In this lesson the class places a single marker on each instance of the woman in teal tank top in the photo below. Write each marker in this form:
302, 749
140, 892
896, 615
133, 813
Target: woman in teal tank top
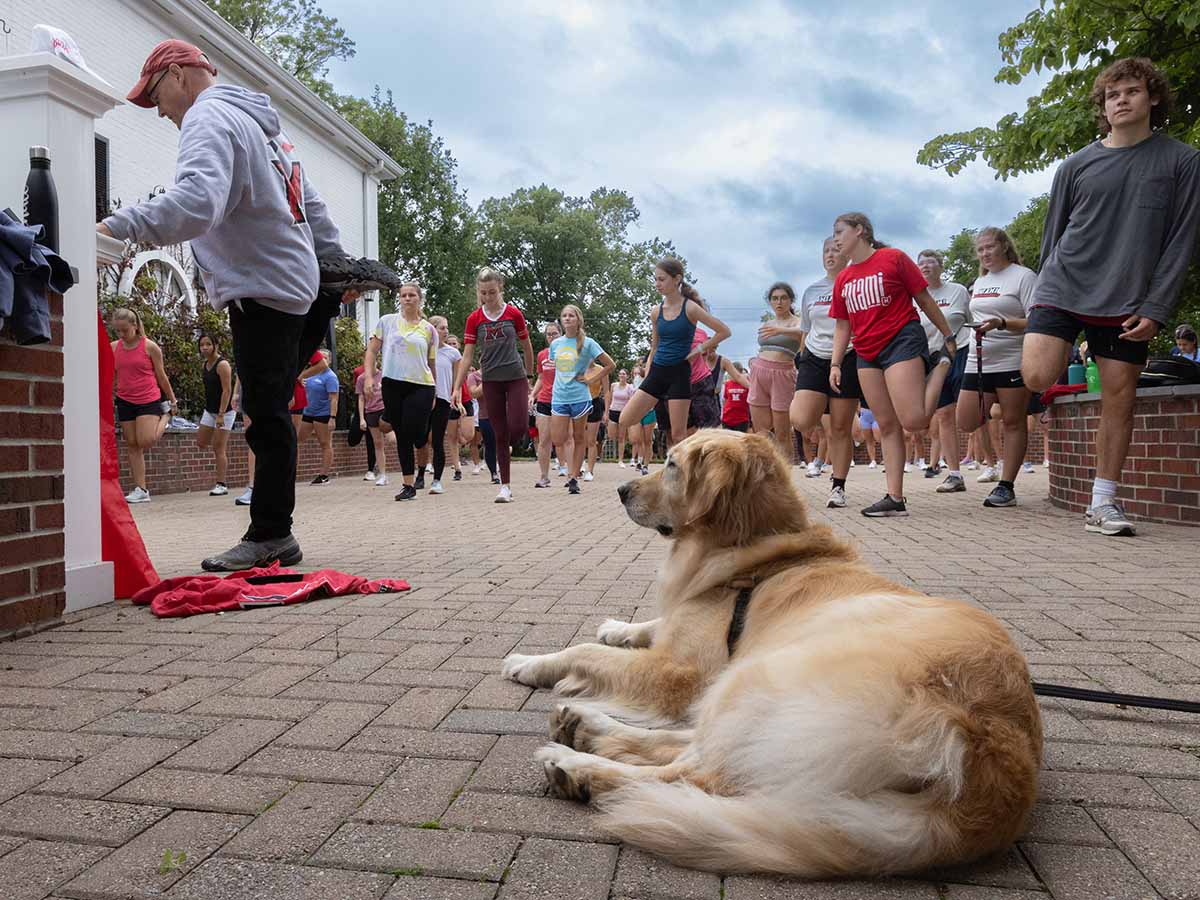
672, 327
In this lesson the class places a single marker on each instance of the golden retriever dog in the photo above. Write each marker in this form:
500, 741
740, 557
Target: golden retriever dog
853, 727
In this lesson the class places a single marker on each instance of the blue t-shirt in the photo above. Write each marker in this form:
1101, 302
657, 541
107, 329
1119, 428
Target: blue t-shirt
318, 388
568, 363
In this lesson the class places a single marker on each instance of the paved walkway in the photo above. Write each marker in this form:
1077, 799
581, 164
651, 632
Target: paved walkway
366, 747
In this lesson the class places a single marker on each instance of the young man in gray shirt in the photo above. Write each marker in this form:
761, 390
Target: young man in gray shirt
1119, 236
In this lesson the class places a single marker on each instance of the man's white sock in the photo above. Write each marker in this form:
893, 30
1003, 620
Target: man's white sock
1103, 491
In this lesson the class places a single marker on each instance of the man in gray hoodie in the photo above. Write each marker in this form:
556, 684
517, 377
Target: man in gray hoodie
256, 227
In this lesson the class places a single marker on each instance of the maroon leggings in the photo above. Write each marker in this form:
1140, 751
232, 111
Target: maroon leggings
507, 404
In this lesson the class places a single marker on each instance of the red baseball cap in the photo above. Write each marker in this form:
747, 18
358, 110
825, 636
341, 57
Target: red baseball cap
166, 54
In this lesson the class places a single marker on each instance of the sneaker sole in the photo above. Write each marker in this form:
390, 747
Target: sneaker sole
891, 514
998, 504
288, 559
961, 489
1125, 531
829, 504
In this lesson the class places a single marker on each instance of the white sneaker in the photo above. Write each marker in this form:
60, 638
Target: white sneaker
972, 465
621, 464
505, 495
853, 463
813, 469
219, 490
920, 464
1028, 468
370, 476
554, 463
908, 467
138, 495
436, 488
562, 471
583, 468
381, 481
477, 469
587, 476
247, 496
872, 464
989, 473
941, 463
1046, 463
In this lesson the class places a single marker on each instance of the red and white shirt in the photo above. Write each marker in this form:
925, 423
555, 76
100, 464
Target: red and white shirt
876, 295
736, 408
499, 342
545, 365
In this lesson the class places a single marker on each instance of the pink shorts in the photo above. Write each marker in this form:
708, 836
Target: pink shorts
772, 384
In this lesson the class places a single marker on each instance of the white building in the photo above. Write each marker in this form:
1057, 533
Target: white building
136, 150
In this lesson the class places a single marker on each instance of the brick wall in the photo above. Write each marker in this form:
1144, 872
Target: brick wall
32, 571
1161, 479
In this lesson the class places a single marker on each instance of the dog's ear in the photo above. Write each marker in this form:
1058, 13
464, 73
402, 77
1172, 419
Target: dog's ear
727, 484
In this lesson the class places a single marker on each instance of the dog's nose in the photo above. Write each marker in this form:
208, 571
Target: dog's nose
623, 492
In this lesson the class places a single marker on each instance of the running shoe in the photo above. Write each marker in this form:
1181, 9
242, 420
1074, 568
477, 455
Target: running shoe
621, 464
341, 273
247, 496
1109, 519
495, 479
419, 483
971, 465
813, 469
381, 481
989, 473
965, 461
931, 471
428, 468
562, 471
583, 468
573, 487
941, 463
436, 487
320, 479
587, 475
219, 490
458, 474
554, 463
408, 492
920, 463
138, 495
885, 507
908, 467
252, 554
477, 469
837, 498
505, 495
852, 462
872, 464
952, 485
1028, 468
1001, 495
370, 476
542, 483
1046, 462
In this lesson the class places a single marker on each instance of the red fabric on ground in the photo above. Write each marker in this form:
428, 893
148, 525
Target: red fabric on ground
1057, 390
190, 595
120, 541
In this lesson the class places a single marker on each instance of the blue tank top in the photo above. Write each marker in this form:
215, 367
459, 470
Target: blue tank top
674, 337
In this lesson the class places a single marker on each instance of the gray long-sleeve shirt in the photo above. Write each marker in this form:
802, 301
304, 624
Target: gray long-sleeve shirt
1121, 229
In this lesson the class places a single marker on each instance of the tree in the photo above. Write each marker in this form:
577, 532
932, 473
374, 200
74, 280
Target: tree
295, 33
1076, 39
555, 249
1026, 231
961, 265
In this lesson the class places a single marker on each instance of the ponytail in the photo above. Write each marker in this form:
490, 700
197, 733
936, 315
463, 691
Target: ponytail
690, 293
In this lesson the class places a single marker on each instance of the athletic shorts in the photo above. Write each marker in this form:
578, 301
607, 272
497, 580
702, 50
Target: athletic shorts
614, 416
772, 384
672, 381
866, 419
572, 410
907, 343
812, 374
1103, 340
324, 420
296, 412
649, 418
597, 413
953, 383
372, 418
737, 426
209, 420
992, 381
542, 408
127, 412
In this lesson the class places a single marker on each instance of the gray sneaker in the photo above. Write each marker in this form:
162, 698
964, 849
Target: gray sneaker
251, 554
952, 485
1109, 519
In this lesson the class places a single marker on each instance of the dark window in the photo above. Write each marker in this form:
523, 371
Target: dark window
103, 205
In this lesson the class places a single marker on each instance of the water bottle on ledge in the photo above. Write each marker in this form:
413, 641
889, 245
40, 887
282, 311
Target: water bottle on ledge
41, 198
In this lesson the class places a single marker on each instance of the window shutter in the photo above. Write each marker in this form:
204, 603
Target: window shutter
103, 204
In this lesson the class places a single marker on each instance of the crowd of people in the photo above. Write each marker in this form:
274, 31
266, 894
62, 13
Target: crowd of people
881, 350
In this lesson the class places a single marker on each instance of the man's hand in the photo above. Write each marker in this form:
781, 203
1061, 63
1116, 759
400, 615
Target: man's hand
101, 228
1139, 328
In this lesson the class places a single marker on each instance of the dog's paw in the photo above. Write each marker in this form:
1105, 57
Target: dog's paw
521, 668
572, 686
615, 633
564, 720
564, 773
577, 726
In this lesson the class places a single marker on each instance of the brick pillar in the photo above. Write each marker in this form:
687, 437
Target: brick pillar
32, 570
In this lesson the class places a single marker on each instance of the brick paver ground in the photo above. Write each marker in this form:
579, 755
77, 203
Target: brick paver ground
366, 747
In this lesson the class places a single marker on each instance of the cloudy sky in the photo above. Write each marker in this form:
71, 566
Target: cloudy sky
740, 128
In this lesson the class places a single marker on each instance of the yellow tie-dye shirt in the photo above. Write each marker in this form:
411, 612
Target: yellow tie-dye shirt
406, 348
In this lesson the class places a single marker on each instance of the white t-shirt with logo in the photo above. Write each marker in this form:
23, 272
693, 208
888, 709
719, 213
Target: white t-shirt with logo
955, 303
814, 318
1005, 294
406, 348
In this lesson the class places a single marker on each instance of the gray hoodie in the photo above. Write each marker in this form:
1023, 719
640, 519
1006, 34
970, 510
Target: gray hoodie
241, 197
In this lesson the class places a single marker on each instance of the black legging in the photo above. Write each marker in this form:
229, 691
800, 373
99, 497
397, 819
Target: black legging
407, 407
438, 422
489, 446
370, 450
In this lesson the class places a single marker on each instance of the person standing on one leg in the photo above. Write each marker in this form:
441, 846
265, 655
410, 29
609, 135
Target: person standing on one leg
217, 420
1120, 234
142, 382
256, 227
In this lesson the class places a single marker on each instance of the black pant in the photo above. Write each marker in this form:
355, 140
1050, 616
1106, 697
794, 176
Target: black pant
407, 407
489, 446
370, 450
438, 422
269, 349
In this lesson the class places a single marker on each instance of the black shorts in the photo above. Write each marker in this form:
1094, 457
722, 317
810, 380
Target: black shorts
812, 374
597, 413
740, 426
324, 420
907, 343
614, 416
662, 416
1036, 407
1102, 340
541, 408
372, 418
128, 412
668, 382
953, 383
992, 381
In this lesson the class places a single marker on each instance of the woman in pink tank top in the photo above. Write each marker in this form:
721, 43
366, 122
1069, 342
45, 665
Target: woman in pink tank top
141, 384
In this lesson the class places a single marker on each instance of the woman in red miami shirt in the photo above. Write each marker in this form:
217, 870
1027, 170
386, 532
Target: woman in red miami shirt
735, 406
873, 302
499, 330
539, 403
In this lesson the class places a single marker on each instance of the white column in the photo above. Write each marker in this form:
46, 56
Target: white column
46, 101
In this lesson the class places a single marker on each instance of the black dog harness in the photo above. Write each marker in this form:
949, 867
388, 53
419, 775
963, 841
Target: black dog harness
737, 624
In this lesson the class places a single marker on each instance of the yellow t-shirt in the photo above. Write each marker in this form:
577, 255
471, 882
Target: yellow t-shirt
406, 348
